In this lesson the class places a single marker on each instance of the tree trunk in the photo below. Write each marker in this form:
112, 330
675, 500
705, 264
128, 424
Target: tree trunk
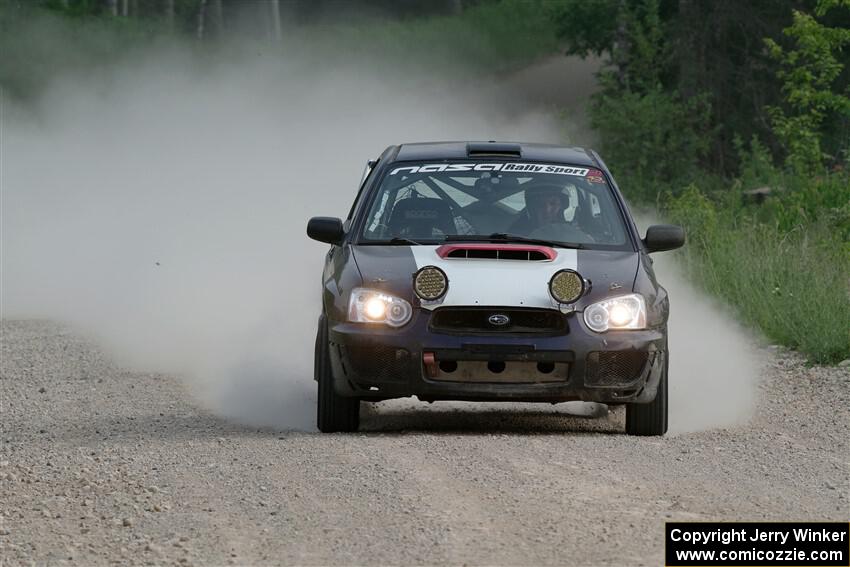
125, 8
112, 7
202, 16
276, 31
622, 45
169, 14
217, 16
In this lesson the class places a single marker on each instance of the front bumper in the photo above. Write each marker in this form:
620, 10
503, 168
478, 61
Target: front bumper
374, 362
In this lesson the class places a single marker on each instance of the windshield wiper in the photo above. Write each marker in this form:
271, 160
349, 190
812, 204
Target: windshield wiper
505, 237
402, 240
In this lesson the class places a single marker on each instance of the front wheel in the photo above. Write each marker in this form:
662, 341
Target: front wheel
333, 412
651, 418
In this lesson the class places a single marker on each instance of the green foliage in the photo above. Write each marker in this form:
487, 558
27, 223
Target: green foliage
807, 73
650, 135
795, 200
486, 37
631, 33
654, 139
587, 26
38, 45
756, 166
823, 200
793, 284
783, 266
640, 52
716, 50
824, 6
671, 106
696, 213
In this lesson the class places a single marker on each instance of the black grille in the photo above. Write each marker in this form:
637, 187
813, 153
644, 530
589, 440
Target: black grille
378, 363
480, 320
616, 369
527, 255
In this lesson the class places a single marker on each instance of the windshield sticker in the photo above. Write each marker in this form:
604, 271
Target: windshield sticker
503, 167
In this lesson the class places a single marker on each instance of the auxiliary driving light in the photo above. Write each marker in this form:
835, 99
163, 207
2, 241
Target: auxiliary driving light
430, 283
566, 286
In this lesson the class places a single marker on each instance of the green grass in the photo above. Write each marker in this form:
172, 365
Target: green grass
793, 285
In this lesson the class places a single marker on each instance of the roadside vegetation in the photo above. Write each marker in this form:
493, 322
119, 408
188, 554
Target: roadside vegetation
733, 119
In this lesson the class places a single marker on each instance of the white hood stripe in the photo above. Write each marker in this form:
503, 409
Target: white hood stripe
495, 283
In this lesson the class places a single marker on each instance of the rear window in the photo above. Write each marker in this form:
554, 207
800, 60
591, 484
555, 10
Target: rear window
429, 201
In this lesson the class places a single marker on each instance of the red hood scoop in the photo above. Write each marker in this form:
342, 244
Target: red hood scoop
523, 252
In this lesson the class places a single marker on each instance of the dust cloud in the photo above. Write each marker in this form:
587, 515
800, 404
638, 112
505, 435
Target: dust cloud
715, 363
161, 207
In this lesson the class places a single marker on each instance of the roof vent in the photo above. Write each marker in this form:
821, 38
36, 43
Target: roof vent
493, 149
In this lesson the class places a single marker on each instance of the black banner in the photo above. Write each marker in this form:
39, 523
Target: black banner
807, 544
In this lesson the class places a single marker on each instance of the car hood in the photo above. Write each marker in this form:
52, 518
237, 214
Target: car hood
487, 282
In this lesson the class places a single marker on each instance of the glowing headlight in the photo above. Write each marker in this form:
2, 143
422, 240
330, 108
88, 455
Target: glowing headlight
430, 283
566, 286
375, 308
624, 312
371, 306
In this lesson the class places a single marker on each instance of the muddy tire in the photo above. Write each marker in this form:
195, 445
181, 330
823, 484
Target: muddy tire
651, 418
333, 412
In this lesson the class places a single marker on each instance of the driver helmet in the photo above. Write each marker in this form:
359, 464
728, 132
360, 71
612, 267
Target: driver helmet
545, 204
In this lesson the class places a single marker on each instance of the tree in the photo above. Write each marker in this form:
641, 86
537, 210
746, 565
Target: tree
275, 18
646, 127
202, 19
808, 73
169, 13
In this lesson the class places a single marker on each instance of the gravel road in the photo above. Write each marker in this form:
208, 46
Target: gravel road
100, 465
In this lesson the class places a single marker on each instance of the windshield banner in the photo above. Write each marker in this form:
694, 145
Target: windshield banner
503, 167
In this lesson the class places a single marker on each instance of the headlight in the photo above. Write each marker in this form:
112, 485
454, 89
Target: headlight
430, 283
566, 286
371, 306
624, 312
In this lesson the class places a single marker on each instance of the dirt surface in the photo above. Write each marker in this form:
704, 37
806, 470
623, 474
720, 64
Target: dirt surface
101, 465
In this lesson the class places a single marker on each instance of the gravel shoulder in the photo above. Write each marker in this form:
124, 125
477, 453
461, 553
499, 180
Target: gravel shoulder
99, 465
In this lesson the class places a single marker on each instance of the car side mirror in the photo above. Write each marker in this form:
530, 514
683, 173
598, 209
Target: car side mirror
325, 229
661, 237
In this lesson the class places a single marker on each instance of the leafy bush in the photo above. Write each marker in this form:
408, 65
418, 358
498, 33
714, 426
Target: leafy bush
808, 73
791, 283
653, 139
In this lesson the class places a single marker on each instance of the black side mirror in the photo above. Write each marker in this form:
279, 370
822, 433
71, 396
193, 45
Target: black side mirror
325, 229
661, 237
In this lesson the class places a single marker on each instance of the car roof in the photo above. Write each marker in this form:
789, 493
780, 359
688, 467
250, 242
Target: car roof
492, 149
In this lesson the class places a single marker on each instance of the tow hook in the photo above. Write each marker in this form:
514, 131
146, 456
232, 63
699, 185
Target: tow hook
430, 362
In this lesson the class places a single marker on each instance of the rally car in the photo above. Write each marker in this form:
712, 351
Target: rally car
493, 272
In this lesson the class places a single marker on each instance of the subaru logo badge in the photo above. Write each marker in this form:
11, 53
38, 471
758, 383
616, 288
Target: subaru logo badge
499, 320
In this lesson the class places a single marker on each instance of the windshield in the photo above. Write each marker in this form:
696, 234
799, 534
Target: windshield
432, 202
